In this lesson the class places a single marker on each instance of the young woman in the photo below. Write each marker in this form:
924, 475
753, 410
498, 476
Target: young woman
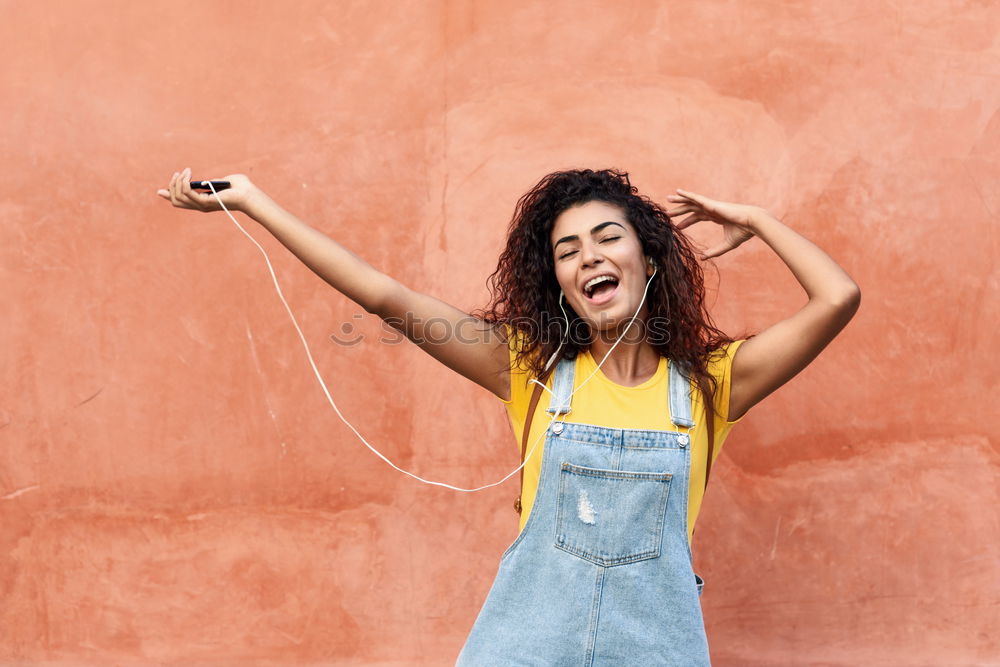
598, 341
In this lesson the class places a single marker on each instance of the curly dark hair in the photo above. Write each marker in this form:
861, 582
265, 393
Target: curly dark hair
525, 293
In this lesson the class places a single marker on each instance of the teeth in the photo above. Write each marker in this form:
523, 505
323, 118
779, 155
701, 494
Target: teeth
596, 281
593, 282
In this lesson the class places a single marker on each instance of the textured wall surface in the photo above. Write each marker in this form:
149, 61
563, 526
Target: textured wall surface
174, 488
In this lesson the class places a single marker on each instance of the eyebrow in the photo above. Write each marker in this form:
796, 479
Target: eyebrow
593, 231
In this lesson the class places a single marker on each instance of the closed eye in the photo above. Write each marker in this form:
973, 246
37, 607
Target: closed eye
570, 253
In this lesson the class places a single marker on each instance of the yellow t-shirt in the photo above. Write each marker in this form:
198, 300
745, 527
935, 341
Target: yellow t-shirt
601, 402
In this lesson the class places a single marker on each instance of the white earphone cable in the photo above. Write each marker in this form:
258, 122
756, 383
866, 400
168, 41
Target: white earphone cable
333, 404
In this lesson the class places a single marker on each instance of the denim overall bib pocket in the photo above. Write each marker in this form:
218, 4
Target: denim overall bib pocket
601, 573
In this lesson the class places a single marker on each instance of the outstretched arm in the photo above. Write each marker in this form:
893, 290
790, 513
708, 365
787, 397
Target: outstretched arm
463, 343
775, 355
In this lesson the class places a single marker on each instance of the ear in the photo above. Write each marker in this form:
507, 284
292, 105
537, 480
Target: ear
650, 267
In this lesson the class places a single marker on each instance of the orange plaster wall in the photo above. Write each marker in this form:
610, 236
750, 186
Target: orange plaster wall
174, 488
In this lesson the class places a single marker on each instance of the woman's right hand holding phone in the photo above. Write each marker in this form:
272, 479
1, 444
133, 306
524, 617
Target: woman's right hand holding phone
236, 197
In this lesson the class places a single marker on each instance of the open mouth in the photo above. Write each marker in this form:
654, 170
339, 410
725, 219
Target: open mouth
600, 289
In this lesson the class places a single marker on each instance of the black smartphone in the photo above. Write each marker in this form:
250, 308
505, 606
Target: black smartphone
203, 185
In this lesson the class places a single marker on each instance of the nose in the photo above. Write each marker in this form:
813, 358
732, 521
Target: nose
590, 254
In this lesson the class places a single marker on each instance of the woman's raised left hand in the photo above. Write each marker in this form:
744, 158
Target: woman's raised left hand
736, 219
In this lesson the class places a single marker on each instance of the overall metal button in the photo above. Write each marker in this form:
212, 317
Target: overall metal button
683, 441
557, 428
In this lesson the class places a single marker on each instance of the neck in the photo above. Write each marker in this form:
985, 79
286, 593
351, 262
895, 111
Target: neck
633, 360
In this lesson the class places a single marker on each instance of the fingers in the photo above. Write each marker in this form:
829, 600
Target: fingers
699, 199
698, 206
694, 214
681, 210
181, 195
688, 221
715, 251
172, 192
689, 198
175, 191
188, 195
686, 203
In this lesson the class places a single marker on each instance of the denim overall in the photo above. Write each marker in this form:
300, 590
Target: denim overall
601, 573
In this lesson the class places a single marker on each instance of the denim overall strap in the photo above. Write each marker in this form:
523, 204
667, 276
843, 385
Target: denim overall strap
679, 388
562, 387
